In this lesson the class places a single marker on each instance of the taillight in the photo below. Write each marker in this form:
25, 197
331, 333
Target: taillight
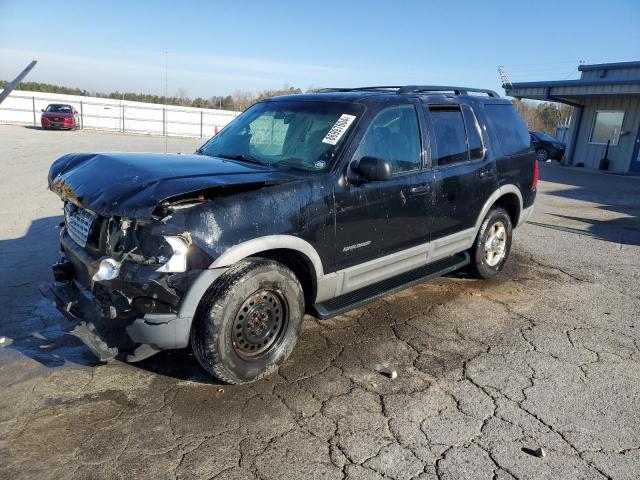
534, 184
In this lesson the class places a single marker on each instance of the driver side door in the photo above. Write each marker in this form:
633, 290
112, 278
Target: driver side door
379, 218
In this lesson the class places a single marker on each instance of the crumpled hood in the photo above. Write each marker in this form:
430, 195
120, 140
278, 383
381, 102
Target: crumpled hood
132, 185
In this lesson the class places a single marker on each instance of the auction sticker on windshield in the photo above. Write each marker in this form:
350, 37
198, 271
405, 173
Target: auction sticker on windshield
342, 125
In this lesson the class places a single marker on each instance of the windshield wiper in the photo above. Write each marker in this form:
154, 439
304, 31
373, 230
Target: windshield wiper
240, 156
292, 165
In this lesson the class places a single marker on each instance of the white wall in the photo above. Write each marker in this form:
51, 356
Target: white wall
23, 108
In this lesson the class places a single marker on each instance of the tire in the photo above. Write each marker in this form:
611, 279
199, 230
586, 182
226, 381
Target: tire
542, 155
248, 322
484, 263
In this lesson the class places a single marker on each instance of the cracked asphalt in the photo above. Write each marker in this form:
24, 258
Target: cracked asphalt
545, 355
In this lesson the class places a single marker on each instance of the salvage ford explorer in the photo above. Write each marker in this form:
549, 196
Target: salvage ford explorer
314, 203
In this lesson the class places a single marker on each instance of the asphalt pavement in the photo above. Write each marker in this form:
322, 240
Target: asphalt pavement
545, 356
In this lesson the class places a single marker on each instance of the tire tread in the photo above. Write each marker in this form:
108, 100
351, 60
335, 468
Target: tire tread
210, 310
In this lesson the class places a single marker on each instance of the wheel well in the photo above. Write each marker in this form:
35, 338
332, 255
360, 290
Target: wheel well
300, 265
510, 202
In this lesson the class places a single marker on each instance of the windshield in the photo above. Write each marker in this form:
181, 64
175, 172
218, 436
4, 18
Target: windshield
545, 137
59, 109
287, 134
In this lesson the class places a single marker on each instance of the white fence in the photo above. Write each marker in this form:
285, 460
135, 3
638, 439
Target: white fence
24, 108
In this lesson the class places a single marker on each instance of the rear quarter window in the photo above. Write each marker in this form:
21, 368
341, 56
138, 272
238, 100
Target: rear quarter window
509, 128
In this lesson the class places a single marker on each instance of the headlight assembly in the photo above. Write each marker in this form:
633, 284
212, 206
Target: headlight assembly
178, 261
108, 269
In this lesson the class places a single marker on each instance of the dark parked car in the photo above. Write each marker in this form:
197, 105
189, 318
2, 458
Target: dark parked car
61, 116
547, 148
314, 203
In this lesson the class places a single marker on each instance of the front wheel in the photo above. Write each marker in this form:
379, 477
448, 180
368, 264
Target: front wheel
493, 244
249, 321
542, 155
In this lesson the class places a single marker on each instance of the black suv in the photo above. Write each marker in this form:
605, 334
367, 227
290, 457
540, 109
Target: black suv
312, 203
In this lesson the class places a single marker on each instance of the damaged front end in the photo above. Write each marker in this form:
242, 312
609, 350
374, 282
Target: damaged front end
138, 242
124, 284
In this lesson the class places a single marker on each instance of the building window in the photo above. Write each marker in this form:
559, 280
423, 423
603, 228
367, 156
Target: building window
607, 126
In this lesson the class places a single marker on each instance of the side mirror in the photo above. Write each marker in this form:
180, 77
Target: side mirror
42, 109
373, 169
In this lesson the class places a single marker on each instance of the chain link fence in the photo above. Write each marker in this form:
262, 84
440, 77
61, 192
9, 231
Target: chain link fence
24, 108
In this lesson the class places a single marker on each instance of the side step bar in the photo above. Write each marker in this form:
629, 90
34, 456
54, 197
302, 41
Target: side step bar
357, 298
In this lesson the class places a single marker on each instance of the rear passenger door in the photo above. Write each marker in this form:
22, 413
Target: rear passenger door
465, 176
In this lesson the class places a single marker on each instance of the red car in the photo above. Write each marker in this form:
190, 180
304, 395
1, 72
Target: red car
59, 115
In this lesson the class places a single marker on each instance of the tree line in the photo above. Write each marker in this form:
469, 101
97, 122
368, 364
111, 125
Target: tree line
237, 101
538, 116
543, 117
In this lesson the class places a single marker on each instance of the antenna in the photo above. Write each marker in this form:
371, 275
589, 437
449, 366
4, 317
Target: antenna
504, 78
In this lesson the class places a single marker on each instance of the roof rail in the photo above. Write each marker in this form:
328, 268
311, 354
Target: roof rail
446, 88
359, 89
413, 89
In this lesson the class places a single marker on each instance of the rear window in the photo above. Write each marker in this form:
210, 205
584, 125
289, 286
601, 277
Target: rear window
450, 133
476, 148
509, 128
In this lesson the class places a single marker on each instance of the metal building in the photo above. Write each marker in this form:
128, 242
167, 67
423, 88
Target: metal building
607, 108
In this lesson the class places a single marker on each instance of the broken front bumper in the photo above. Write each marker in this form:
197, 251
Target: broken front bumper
137, 311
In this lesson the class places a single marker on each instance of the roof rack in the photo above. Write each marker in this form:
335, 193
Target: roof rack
359, 89
416, 89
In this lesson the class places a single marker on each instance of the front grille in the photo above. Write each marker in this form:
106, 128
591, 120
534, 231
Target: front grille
78, 222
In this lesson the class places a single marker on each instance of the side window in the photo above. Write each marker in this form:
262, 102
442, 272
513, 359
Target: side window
476, 147
451, 137
395, 136
509, 128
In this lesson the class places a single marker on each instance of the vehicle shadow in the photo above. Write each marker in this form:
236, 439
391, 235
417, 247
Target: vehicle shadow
29, 322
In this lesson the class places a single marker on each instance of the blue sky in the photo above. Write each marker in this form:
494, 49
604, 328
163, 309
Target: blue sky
217, 47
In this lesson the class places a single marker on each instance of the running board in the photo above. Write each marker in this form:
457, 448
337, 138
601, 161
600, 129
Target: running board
357, 298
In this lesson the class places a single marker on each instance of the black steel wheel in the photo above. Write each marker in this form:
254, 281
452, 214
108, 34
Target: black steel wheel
259, 324
249, 320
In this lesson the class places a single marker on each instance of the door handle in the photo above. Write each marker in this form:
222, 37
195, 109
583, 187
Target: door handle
420, 188
485, 172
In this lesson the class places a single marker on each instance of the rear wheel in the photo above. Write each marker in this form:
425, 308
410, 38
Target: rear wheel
493, 244
249, 321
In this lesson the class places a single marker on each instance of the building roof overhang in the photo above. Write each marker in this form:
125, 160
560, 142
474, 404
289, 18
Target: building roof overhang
572, 92
608, 66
